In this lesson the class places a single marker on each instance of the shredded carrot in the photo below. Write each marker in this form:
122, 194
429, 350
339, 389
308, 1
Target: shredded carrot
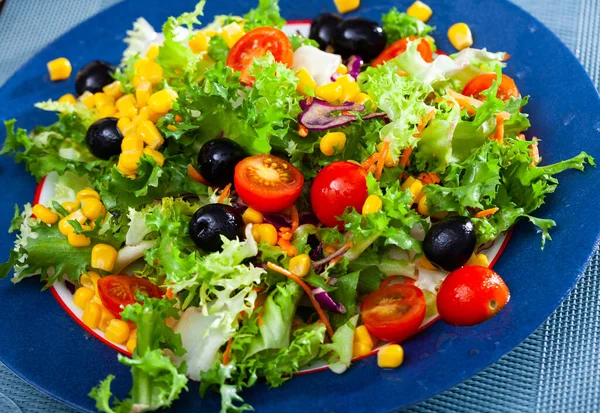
535, 151
296, 324
371, 160
178, 118
302, 131
285, 235
486, 212
309, 100
429, 178
500, 118
224, 193
426, 120
169, 293
464, 101
195, 175
295, 217
381, 161
405, 158
227, 353
306, 289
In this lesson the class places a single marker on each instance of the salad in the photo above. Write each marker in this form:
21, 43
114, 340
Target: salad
233, 202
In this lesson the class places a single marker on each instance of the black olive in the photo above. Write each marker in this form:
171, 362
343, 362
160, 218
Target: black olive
104, 138
93, 77
213, 220
323, 27
217, 160
450, 243
360, 37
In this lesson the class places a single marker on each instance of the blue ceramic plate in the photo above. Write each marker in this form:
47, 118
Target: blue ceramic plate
42, 344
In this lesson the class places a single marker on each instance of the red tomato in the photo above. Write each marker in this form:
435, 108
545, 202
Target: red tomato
256, 43
506, 90
399, 47
118, 291
338, 186
395, 312
471, 295
267, 183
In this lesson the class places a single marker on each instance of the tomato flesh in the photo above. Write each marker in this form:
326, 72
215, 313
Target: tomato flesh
399, 47
394, 312
336, 187
507, 89
471, 295
118, 291
256, 43
267, 183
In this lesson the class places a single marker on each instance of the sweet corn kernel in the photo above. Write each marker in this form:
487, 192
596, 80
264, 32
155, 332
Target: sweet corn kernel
136, 80
65, 227
306, 80
152, 52
132, 143
87, 98
329, 92
407, 183
419, 10
113, 89
131, 344
158, 157
416, 190
300, 265
389, 160
265, 233
126, 106
332, 143
130, 160
390, 356
105, 318
44, 214
92, 208
140, 65
151, 72
426, 264
478, 259
252, 216
162, 101
101, 100
360, 349
350, 88
361, 335
346, 6
150, 134
91, 314
142, 93
342, 69
68, 98
70, 207
422, 206
83, 296
129, 172
133, 332
87, 193
125, 126
78, 240
152, 116
460, 36
90, 280
59, 69
107, 112
372, 204
143, 115
232, 33
117, 331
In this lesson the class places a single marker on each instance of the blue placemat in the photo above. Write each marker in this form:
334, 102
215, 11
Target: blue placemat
555, 370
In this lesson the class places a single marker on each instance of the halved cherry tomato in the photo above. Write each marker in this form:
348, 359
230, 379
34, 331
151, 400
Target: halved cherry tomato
336, 187
267, 183
399, 47
118, 291
395, 312
256, 43
507, 89
471, 295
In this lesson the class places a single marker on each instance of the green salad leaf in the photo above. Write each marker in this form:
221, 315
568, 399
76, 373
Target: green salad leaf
398, 25
266, 14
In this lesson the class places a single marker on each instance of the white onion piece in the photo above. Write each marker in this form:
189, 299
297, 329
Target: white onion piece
319, 64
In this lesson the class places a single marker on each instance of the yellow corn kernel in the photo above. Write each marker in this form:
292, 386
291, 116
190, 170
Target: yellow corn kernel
460, 36
126, 106
59, 69
152, 52
162, 101
68, 98
342, 69
141, 117
329, 92
360, 349
140, 65
407, 183
346, 6
91, 314
131, 344
300, 265
332, 143
129, 172
252, 216
87, 193
83, 296
44, 214
65, 227
416, 190
372, 204
113, 89
306, 80
117, 331
142, 93
150, 114
150, 71
78, 240
158, 157
350, 88
419, 10
426, 264
101, 100
133, 332
70, 207
105, 318
90, 280
232, 33
107, 112
87, 98
92, 208
390, 356
478, 259
136, 80
132, 143
362, 335
389, 160
125, 126
130, 160
150, 134
422, 206
265, 233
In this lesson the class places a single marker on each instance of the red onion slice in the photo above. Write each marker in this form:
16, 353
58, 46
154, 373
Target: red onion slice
316, 115
354, 64
326, 302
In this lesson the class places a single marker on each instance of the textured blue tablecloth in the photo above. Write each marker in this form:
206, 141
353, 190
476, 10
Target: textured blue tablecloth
557, 369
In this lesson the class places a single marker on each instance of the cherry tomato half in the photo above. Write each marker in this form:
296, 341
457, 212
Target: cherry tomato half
336, 187
118, 291
256, 43
399, 47
395, 312
471, 295
267, 183
507, 89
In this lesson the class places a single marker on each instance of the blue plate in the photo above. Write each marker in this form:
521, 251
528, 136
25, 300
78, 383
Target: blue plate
43, 345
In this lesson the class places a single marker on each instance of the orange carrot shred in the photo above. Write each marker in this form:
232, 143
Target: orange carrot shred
169, 293
405, 158
224, 193
195, 175
178, 118
381, 161
306, 289
295, 217
500, 118
486, 212
371, 160
429, 178
227, 353
302, 131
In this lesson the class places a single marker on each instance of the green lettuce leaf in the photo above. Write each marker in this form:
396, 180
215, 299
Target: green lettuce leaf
265, 14
398, 25
218, 49
340, 349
